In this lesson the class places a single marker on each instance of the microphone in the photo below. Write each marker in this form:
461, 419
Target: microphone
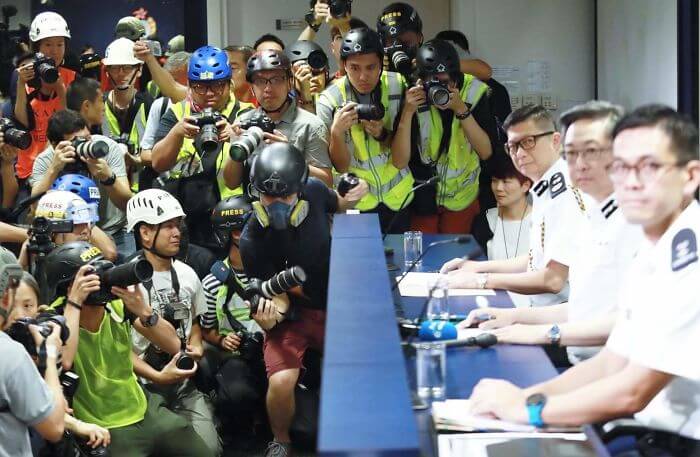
463, 239
429, 182
437, 331
483, 340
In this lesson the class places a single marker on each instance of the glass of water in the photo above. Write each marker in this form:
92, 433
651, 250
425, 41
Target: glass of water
412, 248
430, 370
438, 304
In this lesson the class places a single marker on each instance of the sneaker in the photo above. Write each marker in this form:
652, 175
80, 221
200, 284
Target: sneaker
277, 449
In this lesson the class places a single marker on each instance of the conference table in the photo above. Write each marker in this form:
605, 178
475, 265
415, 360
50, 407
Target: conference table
365, 395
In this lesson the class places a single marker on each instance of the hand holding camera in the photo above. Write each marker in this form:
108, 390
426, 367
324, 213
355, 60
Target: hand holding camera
13, 136
266, 313
172, 373
86, 282
254, 131
344, 118
415, 97
212, 129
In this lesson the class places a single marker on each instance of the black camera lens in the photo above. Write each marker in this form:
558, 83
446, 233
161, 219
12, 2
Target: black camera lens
339, 8
128, 274
208, 139
369, 112
317, 60
88, 149
14, 136
438, 94
47, 72
244, 146
401, 62
185, 362
347, 181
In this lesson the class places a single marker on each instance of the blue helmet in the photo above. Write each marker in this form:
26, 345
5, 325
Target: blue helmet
208, 64
82, 186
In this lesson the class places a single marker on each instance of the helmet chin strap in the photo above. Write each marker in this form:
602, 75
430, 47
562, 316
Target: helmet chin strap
281, 107
153, 249
123, 86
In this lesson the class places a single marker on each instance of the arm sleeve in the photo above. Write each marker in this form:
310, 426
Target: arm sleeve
563, 220
40, 167
115, 159
317, 146
210, 286
324, 111
152, 124
487, 121
255, 255
200, 304
28, 396
167, 122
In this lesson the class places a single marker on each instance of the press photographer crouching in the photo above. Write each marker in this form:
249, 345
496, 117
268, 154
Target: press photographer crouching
234, 341
173, 293
101, 307
291, 227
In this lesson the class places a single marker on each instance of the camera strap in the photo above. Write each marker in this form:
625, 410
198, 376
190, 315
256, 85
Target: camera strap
232, 286
41, 357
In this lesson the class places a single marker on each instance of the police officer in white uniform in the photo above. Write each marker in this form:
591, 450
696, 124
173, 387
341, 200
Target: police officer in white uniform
607, 245
558, 212
642, 369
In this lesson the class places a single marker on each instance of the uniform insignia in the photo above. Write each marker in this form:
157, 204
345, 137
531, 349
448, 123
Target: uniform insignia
540, 188
609, 208
557, 184
684, 249
579, 199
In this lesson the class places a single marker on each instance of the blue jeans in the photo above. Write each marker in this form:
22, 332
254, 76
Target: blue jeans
126, 245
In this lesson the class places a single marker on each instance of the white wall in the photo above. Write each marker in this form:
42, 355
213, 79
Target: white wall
637, 57
513, 32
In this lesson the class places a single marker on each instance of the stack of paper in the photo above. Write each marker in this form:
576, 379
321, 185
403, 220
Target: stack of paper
454, 415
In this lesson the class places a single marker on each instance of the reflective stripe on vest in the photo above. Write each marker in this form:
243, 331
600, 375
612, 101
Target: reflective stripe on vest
182, 109
459, 169
369, 159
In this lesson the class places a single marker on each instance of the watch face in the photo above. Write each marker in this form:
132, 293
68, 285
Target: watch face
536, 399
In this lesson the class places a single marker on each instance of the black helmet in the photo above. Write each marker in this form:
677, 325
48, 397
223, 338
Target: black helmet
267, 59
230, 214
437, 56
309, 51
398, 18
63, 263
361, 41
279, 170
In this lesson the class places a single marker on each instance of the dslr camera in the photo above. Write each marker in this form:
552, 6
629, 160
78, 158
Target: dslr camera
251, 346
13, 135
437, 93
347, 181
251, 138
125, 275
86, 149
276, 285
399, 58
44, 70
207, 140
339, 8
370, 111
19, 330
40, 234
317, 60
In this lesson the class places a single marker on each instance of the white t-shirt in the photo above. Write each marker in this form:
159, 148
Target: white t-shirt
558, 213
510, 239
608, 245
191, 301
658, 325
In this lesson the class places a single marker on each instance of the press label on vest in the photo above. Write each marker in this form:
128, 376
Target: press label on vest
352, 211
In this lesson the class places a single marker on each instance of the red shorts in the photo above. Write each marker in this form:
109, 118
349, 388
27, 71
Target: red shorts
286, 343
446, 221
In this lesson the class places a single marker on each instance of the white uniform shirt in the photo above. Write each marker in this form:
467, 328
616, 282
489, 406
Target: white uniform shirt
608, 245
558, 213
659, 323
191, 301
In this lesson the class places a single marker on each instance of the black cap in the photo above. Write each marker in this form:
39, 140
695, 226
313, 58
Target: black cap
397, 18
267, 59
437, 56
361, 41
279, 170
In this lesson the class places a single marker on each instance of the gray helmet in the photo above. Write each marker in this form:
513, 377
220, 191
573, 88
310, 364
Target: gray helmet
437, 56
267, 59
279, 170
361, 41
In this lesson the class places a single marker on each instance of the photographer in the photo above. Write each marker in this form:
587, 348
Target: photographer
291, 227
192, 174
45, 84
98, 349
270, 74
26, 400
233, 340
361, 110
8, 179
310, 68
452, 139
67, 133
238, 58
175, 294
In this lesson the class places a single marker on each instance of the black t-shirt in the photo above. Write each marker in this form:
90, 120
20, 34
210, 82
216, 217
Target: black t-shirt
266, 251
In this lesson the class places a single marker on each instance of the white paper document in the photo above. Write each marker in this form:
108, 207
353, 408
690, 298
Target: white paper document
417, 284
454, 414
475, 444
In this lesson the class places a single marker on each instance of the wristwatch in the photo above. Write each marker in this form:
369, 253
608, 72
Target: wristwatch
481, 279
554, 335
464, 115
149, 321
535, 404
109, 181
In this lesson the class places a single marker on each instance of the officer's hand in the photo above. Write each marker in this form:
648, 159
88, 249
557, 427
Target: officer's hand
171, 374
142, 51
187, 128
415, 97
133, 300
63, 154
344, 118
267, 315
489, 318
99, 168
275, 137
25, 73
96, 435
231, 342
85, 282
355, 194
225, 130
374, 128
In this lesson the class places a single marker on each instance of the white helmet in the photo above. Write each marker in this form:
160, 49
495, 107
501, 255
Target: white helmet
61, 205
152, 206
46, 25
120, 52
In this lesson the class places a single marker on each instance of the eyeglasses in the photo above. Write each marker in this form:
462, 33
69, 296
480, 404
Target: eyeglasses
646, 170
274, 81
526, 143
201, 89
588, 155
121, 68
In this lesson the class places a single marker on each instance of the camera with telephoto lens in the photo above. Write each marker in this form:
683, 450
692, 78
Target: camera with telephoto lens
19, 330
251, 345
251, 138
436, 92
44, 70
317, 60
13, 136
339, 8
207, 140
128, 274
276, 285
399, 58
346, 182
369, 111
90, 149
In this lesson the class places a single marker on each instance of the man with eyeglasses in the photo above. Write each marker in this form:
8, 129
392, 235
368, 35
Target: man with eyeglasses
270, 74
655, 172
192, 175
607, 245
558, 212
